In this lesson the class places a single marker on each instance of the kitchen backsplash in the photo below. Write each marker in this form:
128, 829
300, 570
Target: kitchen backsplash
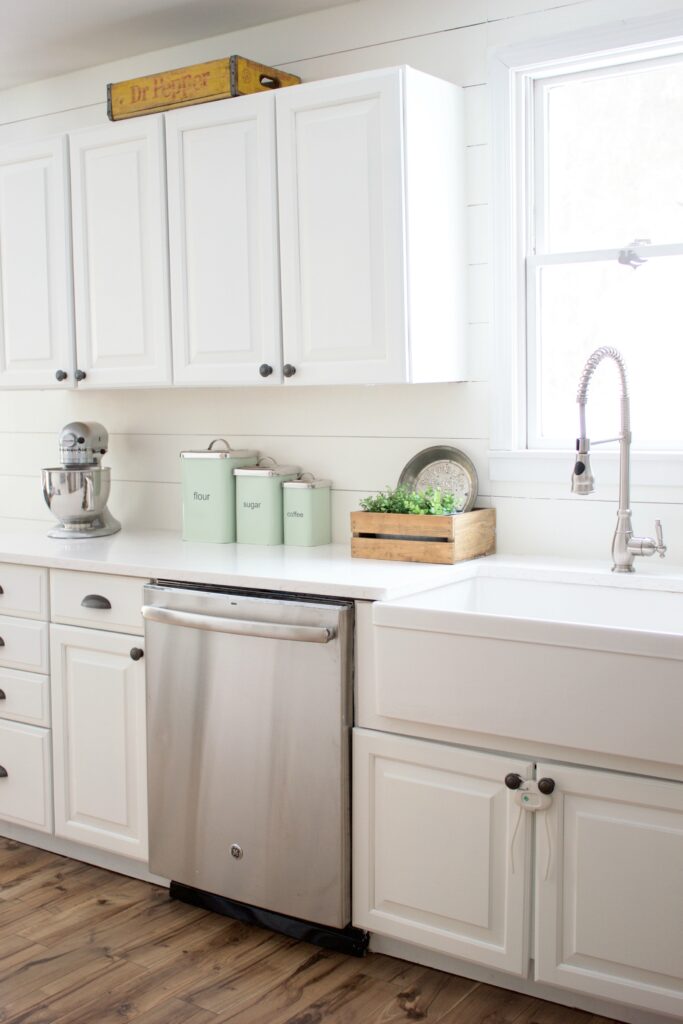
358, 437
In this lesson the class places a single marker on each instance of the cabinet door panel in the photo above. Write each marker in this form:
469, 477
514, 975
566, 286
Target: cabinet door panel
222, 195
340, 172
98, 720
441, 852
25, 791
36, 303
610, 888
120, 254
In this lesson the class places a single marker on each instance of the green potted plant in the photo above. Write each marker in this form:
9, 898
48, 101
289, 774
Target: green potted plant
420, 526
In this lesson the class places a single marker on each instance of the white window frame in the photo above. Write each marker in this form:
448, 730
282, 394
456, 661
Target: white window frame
513, 72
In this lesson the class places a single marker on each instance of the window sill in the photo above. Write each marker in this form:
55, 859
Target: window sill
648, 469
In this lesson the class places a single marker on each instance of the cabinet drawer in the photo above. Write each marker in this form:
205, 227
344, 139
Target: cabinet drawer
24, 644
25, 791
69, 591
24, 697
23, 591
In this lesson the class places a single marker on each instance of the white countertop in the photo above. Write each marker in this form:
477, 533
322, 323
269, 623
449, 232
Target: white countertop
161, 554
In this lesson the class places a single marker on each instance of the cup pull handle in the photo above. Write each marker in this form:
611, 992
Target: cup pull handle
3, 695
3, 773
95, 601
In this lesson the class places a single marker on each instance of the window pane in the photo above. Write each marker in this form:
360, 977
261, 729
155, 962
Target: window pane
614, 160
583, 306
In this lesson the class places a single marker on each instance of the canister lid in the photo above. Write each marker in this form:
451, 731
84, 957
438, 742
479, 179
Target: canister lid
268, 467
219, 453
307, 481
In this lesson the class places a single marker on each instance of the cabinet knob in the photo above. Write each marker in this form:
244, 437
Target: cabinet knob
546, 786
3, 695
2, 642
513, 780
95, 601
1, 591
3, 773
289, 370
265, 370
61, 374
80, 375
136, 653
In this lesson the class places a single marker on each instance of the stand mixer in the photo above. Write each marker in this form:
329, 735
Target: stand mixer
77, 491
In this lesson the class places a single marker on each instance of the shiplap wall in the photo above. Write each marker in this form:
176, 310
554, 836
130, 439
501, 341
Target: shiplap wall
360, 437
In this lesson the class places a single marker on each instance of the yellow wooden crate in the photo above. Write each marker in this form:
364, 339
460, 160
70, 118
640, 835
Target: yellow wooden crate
199, 83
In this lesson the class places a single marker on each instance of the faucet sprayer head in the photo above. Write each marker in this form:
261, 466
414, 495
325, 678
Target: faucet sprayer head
583, 481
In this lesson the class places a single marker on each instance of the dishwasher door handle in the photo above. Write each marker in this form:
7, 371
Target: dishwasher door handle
238, 627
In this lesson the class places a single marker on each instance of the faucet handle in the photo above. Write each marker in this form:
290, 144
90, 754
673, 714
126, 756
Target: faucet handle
661, 546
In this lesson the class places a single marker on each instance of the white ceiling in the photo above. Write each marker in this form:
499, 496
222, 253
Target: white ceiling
42, 38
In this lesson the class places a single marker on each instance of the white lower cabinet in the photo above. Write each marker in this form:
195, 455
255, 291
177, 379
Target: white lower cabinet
98, 721
25, 776
609, 891
441, 851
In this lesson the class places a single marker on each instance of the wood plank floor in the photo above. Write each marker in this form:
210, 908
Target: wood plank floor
79, 945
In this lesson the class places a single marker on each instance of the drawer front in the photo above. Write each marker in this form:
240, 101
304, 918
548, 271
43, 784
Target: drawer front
24, 697
23, 591
95, 599
26, 781
24, 644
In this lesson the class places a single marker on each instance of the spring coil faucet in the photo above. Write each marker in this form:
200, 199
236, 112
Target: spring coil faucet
625, 546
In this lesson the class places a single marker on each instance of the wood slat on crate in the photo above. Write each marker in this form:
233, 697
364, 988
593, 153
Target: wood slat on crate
410, 538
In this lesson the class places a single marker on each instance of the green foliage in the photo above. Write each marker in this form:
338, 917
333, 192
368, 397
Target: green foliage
431, 502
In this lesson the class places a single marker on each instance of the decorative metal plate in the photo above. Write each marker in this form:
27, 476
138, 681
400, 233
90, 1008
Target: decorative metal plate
445, 468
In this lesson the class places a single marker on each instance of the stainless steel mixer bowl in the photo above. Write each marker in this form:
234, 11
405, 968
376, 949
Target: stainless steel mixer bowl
77, 497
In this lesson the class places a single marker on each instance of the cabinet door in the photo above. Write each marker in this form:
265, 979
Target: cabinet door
441, 852
36, 301
222, 200
609, 891
340, 173
121, 254
25, 789
98, 722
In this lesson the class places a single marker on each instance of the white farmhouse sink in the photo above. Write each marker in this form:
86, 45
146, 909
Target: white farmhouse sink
580, 659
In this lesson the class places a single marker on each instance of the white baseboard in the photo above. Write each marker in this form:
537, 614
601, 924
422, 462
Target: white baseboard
77, 851
488, 976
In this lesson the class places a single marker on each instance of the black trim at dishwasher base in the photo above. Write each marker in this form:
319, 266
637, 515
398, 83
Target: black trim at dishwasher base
350, 940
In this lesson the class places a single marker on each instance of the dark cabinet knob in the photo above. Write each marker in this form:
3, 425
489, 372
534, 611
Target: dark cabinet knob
95, 601
61, 374
80, 375
2, 642
136, 653
3, 695
3, 773
265, 370
289, 370
1, 591
513, 780
546, 786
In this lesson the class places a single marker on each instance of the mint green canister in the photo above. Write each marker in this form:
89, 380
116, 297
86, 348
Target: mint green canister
260, 501
307, 519
209, 491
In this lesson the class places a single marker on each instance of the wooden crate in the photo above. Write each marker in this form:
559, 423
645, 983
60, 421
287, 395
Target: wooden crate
199, 83
406, 538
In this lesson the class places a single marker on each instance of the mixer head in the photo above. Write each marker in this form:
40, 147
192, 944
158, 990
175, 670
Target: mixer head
82, 444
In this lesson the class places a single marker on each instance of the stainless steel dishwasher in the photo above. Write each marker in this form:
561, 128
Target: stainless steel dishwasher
249, 716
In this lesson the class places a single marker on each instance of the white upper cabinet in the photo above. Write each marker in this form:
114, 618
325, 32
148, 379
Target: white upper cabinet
121, 254
36, 304
371, 195
222, 200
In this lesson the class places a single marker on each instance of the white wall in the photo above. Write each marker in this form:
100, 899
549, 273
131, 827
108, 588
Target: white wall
360, 437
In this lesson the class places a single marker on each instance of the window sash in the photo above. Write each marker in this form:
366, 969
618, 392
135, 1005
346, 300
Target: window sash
534, 248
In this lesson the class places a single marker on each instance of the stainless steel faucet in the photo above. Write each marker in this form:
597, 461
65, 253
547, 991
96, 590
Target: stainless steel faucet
625, 546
